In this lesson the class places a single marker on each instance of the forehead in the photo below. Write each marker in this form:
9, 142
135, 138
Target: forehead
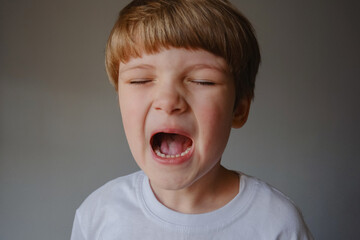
176, 58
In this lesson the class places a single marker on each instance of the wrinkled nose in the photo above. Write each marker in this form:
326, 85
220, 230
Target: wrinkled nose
170, 99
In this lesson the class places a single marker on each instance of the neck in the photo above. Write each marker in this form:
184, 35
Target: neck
210, 192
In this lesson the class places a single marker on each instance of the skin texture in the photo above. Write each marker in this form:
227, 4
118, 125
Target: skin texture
189, 92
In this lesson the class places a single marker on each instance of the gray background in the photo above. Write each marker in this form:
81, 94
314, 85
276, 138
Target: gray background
61, 135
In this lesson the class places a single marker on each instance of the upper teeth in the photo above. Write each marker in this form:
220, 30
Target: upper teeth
160, 154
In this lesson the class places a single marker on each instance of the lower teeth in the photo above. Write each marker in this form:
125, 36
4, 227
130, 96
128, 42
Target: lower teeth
160, 154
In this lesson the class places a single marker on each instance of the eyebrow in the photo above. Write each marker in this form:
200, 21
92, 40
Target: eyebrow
207, 66
188, 69
141, 66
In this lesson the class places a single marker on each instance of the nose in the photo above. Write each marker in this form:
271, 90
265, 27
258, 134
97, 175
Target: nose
170, 99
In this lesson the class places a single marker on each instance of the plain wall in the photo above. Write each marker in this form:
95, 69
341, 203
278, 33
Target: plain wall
61, 134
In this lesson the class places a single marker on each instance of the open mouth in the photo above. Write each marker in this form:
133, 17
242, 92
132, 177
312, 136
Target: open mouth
170, 145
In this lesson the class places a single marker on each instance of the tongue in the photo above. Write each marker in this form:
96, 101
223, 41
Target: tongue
172, 144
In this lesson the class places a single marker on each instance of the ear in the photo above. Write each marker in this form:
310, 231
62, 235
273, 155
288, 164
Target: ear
241, 113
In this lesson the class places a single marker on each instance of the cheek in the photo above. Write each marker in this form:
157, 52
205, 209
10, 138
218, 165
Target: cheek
215, 126
131, 119
127, 114
216, 114
130, 107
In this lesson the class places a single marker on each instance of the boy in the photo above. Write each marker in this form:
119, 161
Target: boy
184, 71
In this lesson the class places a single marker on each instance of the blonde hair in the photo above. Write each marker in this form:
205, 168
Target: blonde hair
147, 26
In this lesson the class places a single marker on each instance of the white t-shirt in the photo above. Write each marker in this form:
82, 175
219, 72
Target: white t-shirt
126, 208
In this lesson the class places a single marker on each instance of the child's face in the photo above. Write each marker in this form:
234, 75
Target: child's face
177, 110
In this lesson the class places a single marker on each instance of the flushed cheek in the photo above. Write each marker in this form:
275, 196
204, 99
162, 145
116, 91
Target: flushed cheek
214, 130
215, 140
132, 119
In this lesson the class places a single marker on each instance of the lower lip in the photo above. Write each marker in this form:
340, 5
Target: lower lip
172, 161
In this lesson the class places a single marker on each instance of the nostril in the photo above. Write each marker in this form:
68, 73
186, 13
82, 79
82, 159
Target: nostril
176, 110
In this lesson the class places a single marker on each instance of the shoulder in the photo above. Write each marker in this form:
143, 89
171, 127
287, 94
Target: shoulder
274, 212
269, 197
115, 193
113, 202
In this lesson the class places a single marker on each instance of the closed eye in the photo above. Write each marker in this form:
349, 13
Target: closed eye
203, 82
139, 81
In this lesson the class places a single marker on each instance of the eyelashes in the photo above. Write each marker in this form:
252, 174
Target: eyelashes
197, 82
140, 81
203, 82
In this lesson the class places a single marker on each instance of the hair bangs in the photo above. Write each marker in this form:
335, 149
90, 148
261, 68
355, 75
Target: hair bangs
148, 26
